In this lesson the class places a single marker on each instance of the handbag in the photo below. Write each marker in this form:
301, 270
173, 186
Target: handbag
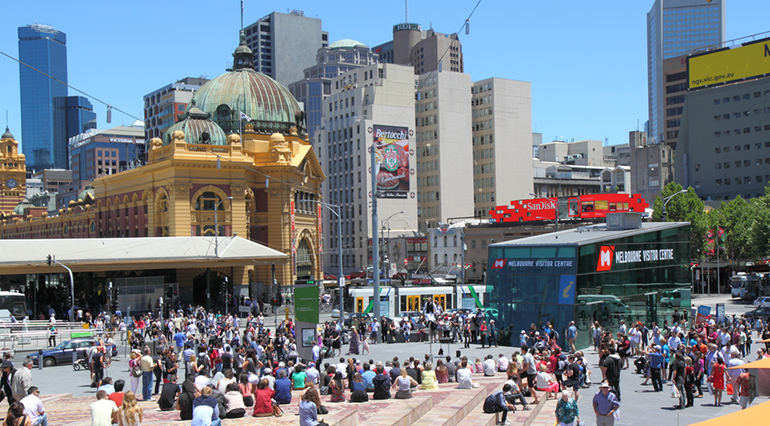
324, 390
674, 391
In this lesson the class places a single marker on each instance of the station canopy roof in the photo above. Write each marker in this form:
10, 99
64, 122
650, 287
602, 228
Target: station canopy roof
588, 235
103, 254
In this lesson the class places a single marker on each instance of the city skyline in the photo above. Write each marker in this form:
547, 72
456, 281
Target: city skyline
575, 83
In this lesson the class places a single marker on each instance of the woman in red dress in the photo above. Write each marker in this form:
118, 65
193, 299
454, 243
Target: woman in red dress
717, 380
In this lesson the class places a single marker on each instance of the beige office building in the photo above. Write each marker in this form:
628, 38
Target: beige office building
379, 94
502, 143
444, 173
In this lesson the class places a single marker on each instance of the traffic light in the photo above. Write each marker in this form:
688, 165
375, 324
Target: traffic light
49, 260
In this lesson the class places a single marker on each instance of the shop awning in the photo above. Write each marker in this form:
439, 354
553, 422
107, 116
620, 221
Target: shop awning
756, 415
762, 363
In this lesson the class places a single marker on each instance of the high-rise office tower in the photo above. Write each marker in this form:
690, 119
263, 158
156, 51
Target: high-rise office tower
284, 44
332, 61
43, 127
362, 100
502, 143
675, 27
443, 131
163, 107
426, 51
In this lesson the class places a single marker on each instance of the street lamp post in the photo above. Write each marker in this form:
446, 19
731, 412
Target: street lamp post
216, 226
386, 249
216, 250
666, 200
340, 277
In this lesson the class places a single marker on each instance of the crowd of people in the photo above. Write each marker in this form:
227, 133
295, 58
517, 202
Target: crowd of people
211, 366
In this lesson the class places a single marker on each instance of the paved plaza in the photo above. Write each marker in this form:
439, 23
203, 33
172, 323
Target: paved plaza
67, 395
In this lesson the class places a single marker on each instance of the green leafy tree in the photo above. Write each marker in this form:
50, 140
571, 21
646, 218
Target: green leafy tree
737, 220
759, 237
685, 207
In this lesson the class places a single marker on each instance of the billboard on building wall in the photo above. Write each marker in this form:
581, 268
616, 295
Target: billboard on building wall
727, 65
392, 161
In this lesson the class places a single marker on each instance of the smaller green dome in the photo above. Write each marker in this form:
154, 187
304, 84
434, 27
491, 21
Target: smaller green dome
198, 129
346, 43
88, 190
19, 210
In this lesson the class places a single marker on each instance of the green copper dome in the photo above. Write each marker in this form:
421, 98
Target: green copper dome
86, 192
345, 43
243, 92
198, 129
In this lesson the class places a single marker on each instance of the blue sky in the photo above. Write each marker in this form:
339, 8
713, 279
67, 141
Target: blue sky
585, 60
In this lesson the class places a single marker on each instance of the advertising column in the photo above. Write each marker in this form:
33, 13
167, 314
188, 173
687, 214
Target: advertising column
306, 316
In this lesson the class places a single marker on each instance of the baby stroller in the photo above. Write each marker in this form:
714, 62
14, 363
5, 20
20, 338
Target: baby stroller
80, 364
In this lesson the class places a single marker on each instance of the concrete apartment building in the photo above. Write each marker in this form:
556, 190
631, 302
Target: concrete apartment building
674, 28
379, 94
163, 107
426, 51
284, 44
724, 149
502, 143
443, 123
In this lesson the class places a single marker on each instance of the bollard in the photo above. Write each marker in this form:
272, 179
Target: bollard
74, 356
457, 354
39, 359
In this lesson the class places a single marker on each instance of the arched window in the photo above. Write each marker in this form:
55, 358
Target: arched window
445, 241
304, 259
446, 259
455, 240
209, 201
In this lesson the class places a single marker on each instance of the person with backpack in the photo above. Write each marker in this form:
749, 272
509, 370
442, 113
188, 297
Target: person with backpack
496, 403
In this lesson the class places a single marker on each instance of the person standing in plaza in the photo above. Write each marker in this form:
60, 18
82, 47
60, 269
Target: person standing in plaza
734, 373
147, 364
605, 405
567, 410
678, 372
613, 365
571, 336
656, 362
22, 380
742, 390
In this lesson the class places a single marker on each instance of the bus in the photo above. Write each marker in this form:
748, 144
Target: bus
746, 286
14, 303
394, 300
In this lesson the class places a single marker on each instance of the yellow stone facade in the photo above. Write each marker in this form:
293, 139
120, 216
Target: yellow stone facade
168, 197
13, 175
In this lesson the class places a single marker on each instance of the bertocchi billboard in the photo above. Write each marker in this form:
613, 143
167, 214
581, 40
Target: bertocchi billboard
728, 65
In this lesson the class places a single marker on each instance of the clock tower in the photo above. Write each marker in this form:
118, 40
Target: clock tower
13, 174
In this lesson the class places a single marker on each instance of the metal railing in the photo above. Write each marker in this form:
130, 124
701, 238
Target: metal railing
34, 335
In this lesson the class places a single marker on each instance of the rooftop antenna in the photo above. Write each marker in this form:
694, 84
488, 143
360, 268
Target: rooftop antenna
406, 11
241, 15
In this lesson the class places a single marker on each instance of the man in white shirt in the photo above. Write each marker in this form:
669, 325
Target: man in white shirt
502, 363
464, 375
674, 342
490, 367
342, 368
33, 407
104, 412
735, 361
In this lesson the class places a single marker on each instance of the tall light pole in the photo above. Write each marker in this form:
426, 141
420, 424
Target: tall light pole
216, 254
216, 226
335, 208
386, 249
375, 235
666, 200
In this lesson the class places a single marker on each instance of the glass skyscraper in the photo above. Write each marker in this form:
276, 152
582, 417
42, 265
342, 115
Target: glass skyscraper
674, 28
43, 117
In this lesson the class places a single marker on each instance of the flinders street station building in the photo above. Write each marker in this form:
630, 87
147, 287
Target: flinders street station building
224, 208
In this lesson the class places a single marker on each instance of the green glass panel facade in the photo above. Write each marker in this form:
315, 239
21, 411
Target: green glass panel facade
560, 283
